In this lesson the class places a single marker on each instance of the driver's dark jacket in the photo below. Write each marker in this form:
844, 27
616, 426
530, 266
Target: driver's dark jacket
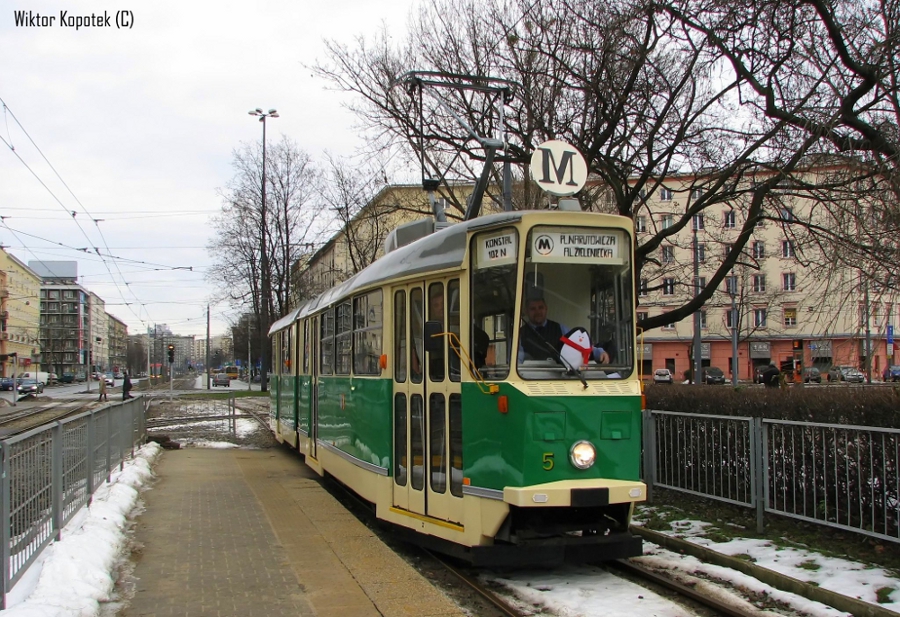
550, 333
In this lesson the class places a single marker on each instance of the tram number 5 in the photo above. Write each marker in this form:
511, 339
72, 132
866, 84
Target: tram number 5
548, 461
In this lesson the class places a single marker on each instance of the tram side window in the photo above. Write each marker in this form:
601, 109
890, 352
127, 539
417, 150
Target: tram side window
327, 343
401, 465
400, 336
456, 446
416, 331
342, 338
453, 315
306, 347
437, 446
436, 313
367, 320
494, 257
286, 351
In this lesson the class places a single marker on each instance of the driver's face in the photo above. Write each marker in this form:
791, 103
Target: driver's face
537, 312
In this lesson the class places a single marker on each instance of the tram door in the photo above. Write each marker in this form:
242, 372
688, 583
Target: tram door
427, 438
313, 333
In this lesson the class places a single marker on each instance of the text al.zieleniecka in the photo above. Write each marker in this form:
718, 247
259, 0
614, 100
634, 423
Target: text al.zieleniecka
31, 19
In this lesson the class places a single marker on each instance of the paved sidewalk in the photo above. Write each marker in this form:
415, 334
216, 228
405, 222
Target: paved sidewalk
251, 532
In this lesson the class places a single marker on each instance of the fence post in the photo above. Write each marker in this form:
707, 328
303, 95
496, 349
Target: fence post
91, 437
5, 522
108, 443
649, 458
56, 482
758, 477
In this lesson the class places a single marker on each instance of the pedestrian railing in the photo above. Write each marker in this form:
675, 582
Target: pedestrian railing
50, 472
842, 476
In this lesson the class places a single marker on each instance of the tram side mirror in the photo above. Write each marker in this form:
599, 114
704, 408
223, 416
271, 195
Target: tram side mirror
433, 343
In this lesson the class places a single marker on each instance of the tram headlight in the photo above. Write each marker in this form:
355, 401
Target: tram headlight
583, 454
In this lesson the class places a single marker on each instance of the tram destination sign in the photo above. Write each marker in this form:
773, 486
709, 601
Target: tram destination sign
576, 246
497, 249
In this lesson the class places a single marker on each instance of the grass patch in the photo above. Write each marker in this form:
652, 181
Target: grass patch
883, 595
810, 564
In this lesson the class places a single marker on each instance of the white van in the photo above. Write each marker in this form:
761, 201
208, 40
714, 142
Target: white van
40, 376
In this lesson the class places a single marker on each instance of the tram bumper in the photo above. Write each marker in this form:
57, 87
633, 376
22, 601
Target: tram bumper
575, 493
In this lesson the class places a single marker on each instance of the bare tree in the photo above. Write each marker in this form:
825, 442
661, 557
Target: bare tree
739, 102
291, 182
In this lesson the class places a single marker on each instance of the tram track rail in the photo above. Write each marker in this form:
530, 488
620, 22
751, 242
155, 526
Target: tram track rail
489, 596
18, 422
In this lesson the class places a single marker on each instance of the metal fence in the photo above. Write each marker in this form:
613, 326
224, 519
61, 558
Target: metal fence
842, 476
50, 472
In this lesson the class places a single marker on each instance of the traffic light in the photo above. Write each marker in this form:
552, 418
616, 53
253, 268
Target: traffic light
798, 344
171, 354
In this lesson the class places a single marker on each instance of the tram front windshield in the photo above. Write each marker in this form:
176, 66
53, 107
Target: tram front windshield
575, 317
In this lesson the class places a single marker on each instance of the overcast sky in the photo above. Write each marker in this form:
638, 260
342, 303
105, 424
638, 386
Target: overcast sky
140, 123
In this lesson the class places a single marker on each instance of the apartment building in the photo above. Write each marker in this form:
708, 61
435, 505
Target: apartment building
782, 300
19, 316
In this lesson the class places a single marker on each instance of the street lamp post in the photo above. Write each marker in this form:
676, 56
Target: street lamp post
263, 260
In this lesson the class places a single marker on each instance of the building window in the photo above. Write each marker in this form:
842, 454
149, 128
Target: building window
731, 318
759, 317
697, 222
730, 218
665, 194
668, 254
701, 252
696, 194
669, 326
727, 251
640, 223
701, 282
54, 294
667, 221
759, 249
787, 214
68, 294
642, 315
43, 294
668, 287
759, 283
731, 285
790, 317
703, 319
642, 287
787, 248
789, 281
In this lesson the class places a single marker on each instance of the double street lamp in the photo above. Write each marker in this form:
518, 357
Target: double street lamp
265, 285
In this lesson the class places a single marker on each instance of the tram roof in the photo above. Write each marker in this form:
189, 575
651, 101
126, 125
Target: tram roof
438, 251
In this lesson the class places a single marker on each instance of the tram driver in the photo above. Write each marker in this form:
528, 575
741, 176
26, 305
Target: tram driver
541, 337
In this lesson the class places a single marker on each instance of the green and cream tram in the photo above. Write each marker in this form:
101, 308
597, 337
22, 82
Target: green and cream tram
410, 383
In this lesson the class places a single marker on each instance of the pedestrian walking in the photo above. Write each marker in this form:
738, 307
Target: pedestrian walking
102, 396
771, 376
126, 388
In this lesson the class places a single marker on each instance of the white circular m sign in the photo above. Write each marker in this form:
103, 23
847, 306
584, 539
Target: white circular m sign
558, 168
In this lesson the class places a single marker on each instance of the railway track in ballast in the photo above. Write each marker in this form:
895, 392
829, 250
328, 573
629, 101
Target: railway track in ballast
639, 575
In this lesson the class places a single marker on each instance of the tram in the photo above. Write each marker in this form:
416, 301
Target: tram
411, 384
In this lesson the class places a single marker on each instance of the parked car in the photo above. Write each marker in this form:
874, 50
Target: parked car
30, 386
850, 374
812, 374
891, 373
221, 379
6, 383
110, 380
52, 379
713, 375
662, 375
67, 378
